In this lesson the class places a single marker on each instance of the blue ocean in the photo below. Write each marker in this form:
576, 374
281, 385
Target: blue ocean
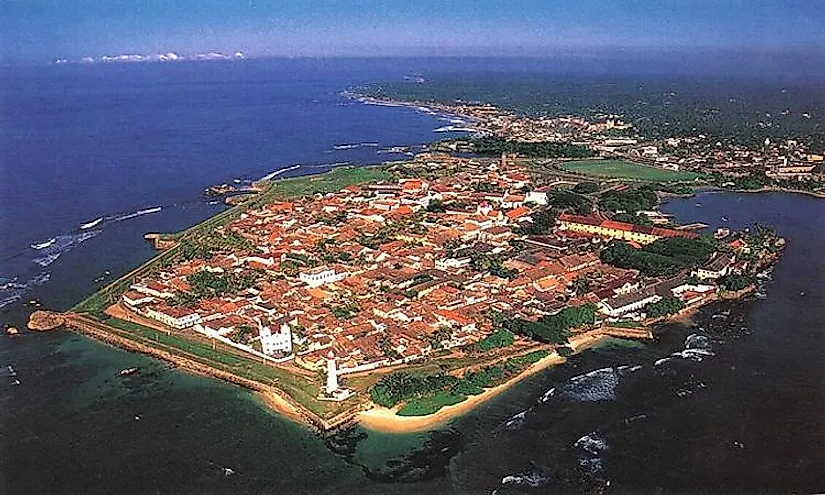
93, 157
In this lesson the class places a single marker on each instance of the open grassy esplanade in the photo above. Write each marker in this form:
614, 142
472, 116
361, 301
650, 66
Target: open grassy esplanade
622, 169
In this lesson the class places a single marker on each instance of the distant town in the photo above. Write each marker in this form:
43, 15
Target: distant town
786, 163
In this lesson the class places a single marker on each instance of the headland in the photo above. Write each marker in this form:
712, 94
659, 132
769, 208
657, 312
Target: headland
406, 294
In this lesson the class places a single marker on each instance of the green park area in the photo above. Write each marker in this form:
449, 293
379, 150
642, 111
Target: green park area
622, 169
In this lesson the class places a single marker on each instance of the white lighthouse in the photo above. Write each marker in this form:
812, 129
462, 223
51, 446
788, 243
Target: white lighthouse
332, 376
332, 390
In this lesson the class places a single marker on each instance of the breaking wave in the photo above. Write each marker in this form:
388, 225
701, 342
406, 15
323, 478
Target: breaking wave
533, 477
597, 385
697, 347
278, 172
138, 213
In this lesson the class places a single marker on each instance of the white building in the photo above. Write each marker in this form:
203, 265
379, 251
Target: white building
276, 338
320, 276
134, 298
179, 317
715, 268
622, 305
538, 197
447, 263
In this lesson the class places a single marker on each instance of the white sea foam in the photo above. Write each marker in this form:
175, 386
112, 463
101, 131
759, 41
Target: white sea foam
532, 479
47, 260
13, 298
592, 443
41, 245
516, 420
276, 173
696, 341
597, 385
91, 224
136, 214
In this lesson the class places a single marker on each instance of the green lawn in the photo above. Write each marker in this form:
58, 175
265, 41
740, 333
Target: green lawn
332, 181
431, 404
626, 170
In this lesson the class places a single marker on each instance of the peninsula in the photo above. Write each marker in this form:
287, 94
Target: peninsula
402, 295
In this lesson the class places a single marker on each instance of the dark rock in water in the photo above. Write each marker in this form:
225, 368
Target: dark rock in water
430, 461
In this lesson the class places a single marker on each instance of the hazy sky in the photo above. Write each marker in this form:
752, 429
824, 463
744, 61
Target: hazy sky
46, 29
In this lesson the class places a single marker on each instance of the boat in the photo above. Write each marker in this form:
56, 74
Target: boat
128, 371
91, 224
724, 219
41, 245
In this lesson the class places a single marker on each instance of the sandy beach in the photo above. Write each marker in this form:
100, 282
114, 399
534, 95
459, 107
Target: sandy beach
386, 420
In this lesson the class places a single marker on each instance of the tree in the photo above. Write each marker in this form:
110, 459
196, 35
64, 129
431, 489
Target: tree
500, 338
634, 219
581, 285
436, 206
735, 282
666, 306
586, 187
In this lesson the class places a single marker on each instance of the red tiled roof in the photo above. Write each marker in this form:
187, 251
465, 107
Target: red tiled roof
627, 227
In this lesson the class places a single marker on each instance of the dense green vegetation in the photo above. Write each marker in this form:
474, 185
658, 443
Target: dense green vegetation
552, 329
426, 394
430, 404
206, 284
570, 202
632, 201
642, 220
735, 282
206, 245
665, 256
495, 146
668, 305
543, 221
731, 113
586, 187
493, 264
436, 206
500, 338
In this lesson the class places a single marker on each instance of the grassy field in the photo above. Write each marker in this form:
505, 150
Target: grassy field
332, 181
622, 169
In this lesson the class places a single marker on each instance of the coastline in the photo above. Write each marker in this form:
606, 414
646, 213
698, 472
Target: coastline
377, 418
386, 420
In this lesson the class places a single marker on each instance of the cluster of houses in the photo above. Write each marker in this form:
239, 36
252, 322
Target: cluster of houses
785, 160
378, 275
